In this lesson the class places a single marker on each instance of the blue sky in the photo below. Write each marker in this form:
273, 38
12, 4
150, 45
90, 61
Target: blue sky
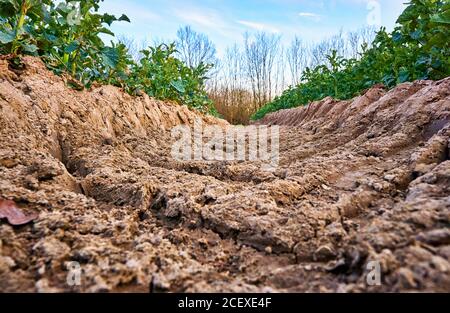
224, 21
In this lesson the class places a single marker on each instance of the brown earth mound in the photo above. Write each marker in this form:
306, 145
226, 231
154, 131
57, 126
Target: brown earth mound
360, 182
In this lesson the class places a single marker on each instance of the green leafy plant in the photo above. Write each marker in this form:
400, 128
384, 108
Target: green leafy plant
17, 17
67, 36
69, 41
418, 48
161, 75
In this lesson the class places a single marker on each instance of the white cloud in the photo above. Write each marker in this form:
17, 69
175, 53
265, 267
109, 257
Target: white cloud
312, 16
205, 19
208, 21
259, 26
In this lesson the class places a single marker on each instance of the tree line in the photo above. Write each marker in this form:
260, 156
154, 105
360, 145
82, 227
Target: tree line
252, 78
261, 75
252, 73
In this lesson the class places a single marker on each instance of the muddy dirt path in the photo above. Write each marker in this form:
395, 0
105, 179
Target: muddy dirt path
358, 182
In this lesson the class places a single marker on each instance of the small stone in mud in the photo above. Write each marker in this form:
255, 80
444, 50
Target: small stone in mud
283, 174
174, 207
6, 263
268, 250
389, 177
108, 141
41, 270
45, 170
8, 162
440, 264
406, 278
31, 182
156, 240
43, 286
83, 256
100, 285
324, 253
51, 248
138, 92
435, 237
421, 169
159, 283
336, 266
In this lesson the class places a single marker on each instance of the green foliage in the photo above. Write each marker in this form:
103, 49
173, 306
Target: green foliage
67, 36
418, 48
16, 19
161, 75
69, 41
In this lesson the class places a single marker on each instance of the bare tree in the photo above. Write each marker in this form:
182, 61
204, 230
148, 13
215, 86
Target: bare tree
280, 79
195, 48
320, 50
297, 59
134, 47
230, 90
260, 53
233, 68
358, 38
354, 41
250, 75
368, 35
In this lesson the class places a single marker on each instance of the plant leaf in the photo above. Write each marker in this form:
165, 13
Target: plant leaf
403, 75
109, 19
29, 48
110, 56
124, 18
179, 86
443, 18
105, 30
6, 37
72, 47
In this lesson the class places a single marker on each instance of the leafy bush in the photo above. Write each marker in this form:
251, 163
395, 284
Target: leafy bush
66, 35
70, 42
17, 19
161, 75
418, 48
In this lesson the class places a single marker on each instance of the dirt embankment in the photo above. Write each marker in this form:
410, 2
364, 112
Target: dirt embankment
359, 181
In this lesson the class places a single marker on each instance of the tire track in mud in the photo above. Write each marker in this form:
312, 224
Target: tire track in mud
358, 181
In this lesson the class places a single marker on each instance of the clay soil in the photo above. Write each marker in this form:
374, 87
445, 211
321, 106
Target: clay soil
360, 181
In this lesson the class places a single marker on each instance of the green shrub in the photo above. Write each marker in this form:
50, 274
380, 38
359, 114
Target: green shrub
161, 75
418, 48
67, 36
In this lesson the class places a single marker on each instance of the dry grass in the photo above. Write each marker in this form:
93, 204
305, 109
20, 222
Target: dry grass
235, 106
